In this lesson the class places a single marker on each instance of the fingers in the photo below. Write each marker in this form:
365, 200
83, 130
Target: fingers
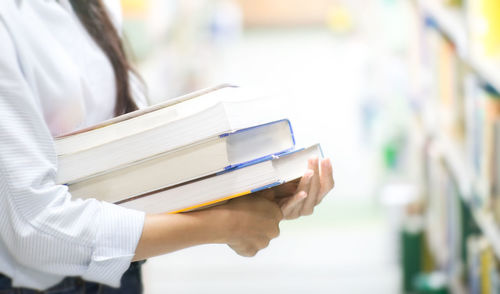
316, 183
299, 197
304, 186
326, 179
314, 187
305, 182
291, 204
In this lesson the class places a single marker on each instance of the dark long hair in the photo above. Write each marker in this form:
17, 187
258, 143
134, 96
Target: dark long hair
95, 18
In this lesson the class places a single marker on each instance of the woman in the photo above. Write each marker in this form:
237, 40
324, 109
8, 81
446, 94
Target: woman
63, 67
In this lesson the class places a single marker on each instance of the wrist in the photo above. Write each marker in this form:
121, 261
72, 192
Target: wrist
216, 224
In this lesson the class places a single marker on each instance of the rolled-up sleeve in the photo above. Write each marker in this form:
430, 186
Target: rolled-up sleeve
40, 226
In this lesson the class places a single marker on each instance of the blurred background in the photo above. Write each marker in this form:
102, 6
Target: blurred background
402, 94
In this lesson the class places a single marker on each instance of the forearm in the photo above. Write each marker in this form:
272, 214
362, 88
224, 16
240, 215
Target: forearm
165, 233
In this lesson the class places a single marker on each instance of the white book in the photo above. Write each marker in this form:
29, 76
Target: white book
224, 152
150, 132
224, 186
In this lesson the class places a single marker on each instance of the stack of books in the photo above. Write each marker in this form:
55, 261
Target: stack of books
187, 153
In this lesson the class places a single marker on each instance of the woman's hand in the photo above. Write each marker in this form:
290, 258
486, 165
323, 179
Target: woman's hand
246, 224
251, 223
299, 198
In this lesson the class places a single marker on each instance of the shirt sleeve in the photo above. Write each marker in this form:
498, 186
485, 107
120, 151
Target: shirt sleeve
41, 227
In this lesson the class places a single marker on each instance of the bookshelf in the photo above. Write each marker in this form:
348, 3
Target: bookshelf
487, 69
454, 160
458, 111
452, 22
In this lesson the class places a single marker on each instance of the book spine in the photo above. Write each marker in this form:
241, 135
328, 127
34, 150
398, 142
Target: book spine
266, 157
272, 185
261, 159
259, 126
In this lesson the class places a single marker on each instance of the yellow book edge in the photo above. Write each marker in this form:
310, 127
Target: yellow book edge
209, 203
204, 205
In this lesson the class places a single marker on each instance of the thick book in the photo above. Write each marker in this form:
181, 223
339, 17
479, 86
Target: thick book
239, 181
224, 152
158, 129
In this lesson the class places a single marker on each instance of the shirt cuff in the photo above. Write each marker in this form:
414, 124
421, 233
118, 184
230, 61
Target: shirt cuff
118, 235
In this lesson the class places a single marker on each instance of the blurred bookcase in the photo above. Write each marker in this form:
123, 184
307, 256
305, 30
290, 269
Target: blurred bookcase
454, 65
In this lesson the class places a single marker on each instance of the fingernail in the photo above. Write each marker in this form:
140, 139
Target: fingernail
302, 195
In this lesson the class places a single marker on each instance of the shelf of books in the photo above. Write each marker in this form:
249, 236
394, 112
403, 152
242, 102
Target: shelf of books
455, 68
474, 28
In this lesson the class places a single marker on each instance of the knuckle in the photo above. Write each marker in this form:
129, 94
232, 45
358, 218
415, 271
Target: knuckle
249, 251
276, 232
252, 253
263, 243
244, 253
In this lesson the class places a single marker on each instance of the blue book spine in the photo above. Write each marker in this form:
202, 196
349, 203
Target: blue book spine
266, 157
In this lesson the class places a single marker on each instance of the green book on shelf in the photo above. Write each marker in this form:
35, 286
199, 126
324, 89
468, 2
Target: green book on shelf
411, 251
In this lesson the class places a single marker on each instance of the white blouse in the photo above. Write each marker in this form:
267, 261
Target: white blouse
54, 79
